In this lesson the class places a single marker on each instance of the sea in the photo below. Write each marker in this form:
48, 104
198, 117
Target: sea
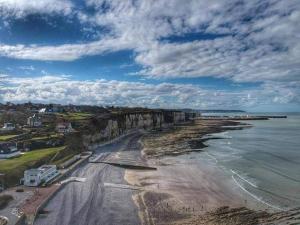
263, 160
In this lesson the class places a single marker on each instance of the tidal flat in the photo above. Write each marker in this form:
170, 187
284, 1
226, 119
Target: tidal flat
186, 189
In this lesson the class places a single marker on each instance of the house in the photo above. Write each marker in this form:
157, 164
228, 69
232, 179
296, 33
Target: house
46, 110
8, 150
8, 127
64, 127
34, 121
43, 110
52, 108
57, 108
43, 174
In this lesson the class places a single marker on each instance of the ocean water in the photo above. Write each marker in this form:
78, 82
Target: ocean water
264, 160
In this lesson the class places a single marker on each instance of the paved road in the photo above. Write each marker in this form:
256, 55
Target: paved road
11, 212
92, 202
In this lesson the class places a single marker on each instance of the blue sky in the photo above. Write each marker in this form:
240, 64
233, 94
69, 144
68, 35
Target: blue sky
219, 54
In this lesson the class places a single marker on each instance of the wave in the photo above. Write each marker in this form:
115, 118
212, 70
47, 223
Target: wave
235, 175
244, 179
256, 197
288, 200
272, 169
222, 135
212, 157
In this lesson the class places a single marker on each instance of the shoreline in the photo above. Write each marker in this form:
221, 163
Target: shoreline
182, 139
186, 189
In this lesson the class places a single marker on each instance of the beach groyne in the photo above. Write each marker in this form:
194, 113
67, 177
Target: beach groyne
247, 117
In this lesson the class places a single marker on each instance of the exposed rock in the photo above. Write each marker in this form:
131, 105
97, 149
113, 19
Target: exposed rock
108, 127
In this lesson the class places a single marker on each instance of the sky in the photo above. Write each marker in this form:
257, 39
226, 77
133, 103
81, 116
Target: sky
217, 54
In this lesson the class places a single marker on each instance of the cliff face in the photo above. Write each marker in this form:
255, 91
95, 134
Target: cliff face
174, 117
179, 117
110, 126
115, 126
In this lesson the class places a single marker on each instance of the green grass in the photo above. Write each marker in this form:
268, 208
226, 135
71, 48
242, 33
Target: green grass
75, 116
64, 159
6, 137
44, 137
15, 167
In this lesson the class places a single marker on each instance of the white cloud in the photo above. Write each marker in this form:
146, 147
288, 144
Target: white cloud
262, 43
21, 8
66, 52
62, 89
223, 57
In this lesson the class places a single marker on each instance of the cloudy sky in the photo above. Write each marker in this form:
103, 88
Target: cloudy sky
229, 54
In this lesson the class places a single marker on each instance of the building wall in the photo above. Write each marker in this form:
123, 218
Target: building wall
32, 178
49, 174
8, 150
38, 176
10, 155
8, 127
34, 121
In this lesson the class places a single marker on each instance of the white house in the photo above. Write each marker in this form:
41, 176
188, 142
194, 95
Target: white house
34, 121
8, 150
43, 174
64, 127
8, 127
43, 110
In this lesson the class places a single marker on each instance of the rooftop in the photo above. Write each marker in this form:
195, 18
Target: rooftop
41, 169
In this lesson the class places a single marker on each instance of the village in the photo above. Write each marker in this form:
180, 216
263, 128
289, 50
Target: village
40, 145
40, 135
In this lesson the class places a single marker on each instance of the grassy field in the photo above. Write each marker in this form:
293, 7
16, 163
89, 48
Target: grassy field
62, 160
15, 167
6, 137
75, 116
45, 137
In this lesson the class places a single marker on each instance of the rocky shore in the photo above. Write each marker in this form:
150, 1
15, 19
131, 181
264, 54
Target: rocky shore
188, 190
185, 138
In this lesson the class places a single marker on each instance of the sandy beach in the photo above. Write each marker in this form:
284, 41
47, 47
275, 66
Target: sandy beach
186, 189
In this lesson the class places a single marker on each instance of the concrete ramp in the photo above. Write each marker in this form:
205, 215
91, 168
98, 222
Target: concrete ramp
122, 186
124, 159
73, 179
128, 165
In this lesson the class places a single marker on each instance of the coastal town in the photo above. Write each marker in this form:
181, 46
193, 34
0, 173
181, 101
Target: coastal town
45, 148
39, 143
146, 112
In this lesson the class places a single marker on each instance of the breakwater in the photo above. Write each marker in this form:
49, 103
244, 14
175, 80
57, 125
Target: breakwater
244, 117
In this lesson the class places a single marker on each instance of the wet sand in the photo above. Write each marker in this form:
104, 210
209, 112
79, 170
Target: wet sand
179, 190
188, 190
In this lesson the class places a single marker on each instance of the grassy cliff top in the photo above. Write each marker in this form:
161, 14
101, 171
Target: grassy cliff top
7, 137
14, 168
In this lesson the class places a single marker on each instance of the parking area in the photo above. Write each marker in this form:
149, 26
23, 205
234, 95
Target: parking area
20, 195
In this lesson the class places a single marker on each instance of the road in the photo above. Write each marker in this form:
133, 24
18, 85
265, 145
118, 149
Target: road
11, 212
92, 202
